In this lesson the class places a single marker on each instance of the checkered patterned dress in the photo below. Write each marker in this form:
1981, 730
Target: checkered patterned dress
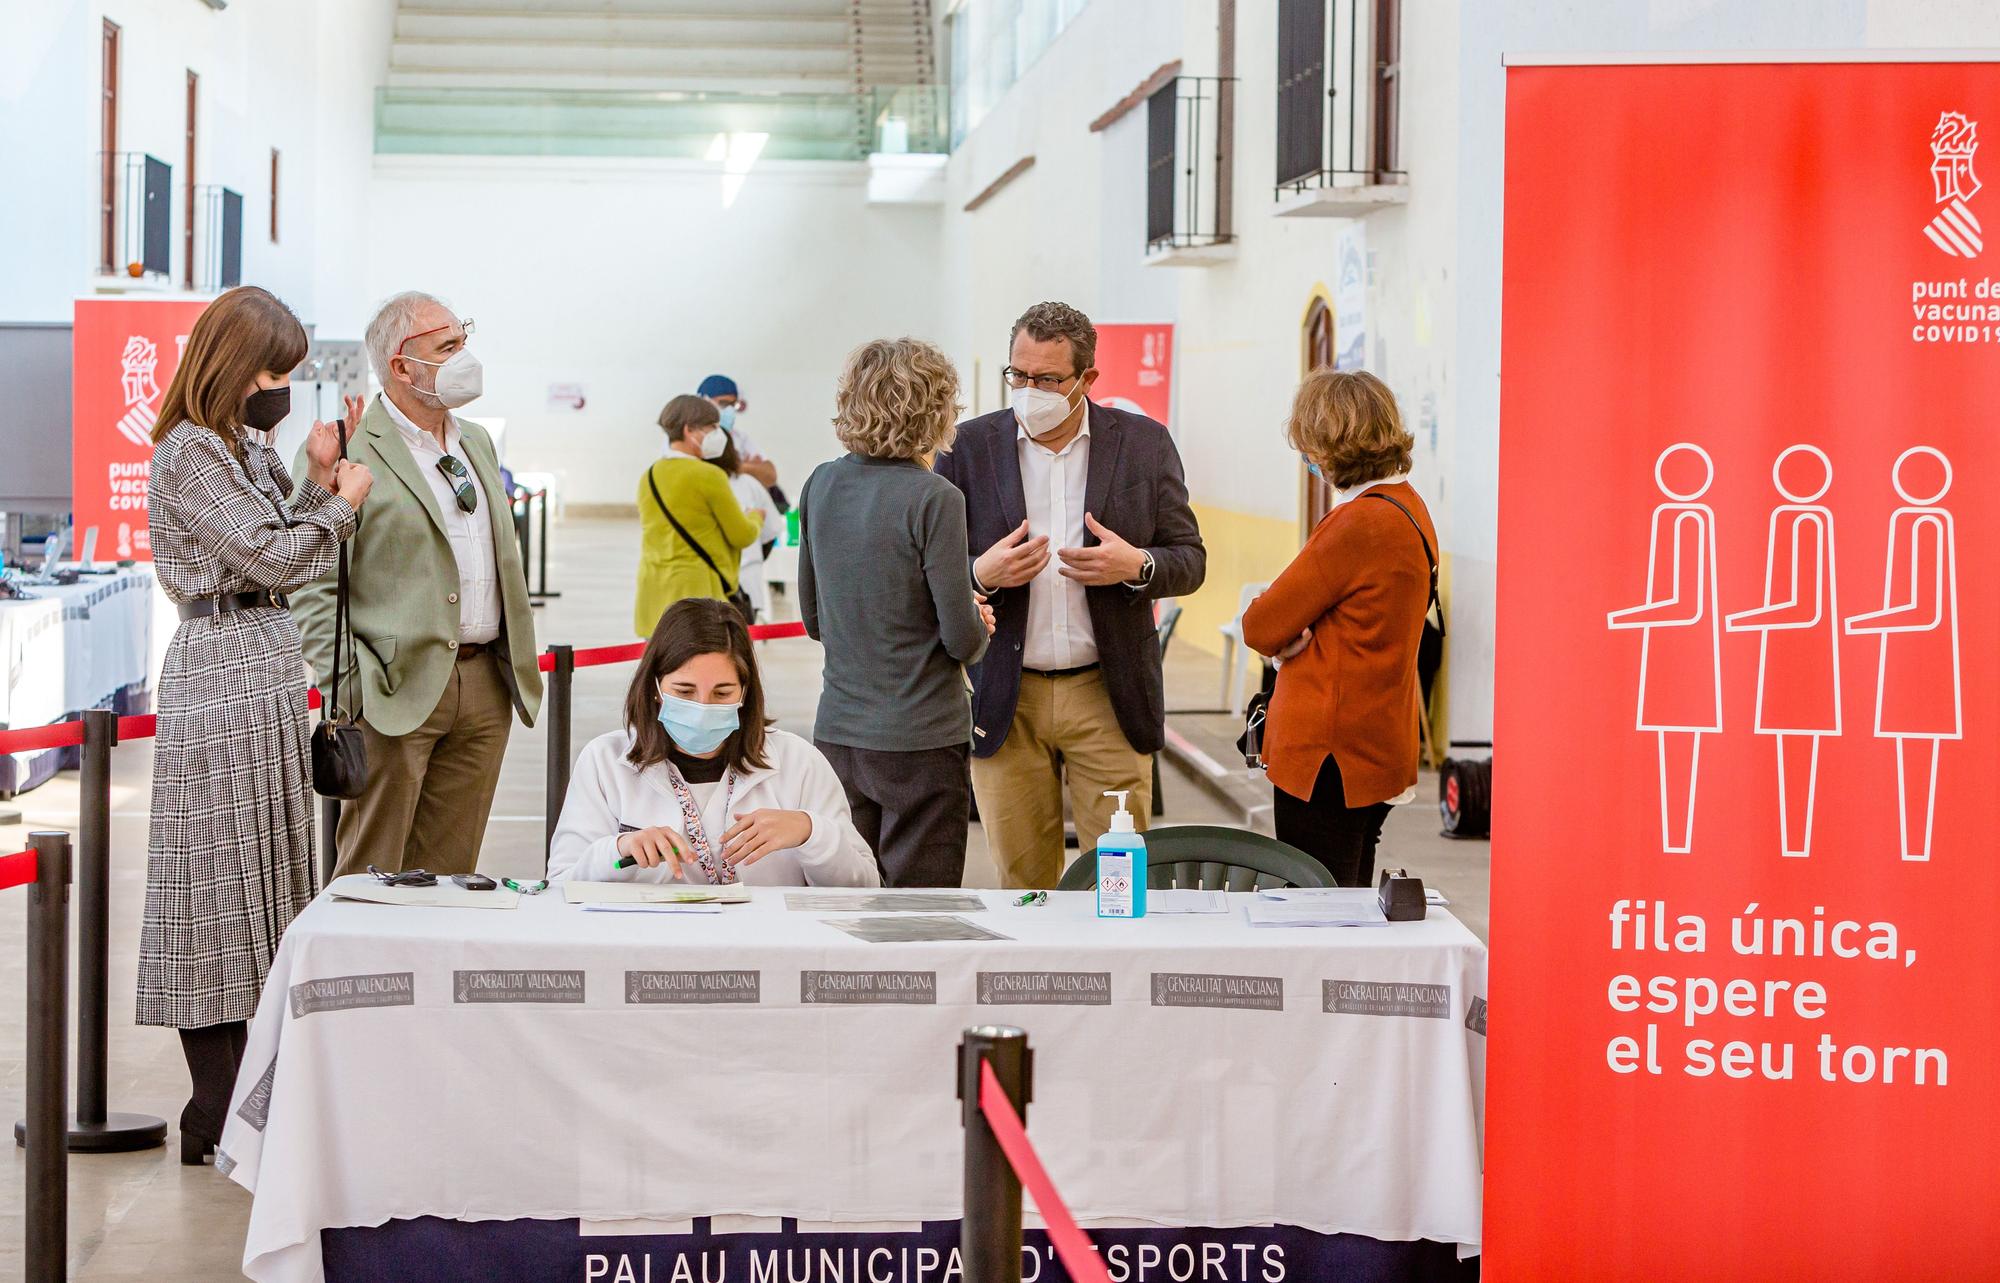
230, 860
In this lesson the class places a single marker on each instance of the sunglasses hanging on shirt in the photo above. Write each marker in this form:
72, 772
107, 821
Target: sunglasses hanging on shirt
461, 483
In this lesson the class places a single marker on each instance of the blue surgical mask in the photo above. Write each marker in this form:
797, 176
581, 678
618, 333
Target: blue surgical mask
698, 728
728, 417
1312, 467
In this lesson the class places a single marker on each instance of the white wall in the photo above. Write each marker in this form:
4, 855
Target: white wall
297, 75
633, 279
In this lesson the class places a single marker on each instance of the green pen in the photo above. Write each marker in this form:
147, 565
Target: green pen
1033, 897
526, 888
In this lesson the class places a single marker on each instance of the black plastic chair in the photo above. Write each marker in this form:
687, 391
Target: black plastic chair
1209, 857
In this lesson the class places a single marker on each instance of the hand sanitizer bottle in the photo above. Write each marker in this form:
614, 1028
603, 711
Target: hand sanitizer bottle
1121, 866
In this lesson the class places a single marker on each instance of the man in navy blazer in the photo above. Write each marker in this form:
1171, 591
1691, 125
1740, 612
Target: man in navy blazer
1081, 513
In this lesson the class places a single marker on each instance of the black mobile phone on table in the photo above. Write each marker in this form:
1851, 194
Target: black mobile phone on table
474, 881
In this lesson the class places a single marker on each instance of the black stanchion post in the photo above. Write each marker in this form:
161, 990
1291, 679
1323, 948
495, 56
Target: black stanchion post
990, 1234
94, 1130
557, 706
45, 1130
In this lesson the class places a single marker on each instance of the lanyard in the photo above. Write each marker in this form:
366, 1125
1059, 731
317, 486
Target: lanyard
697, 836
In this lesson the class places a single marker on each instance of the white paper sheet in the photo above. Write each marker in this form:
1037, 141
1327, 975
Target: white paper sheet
654, 893
1179, 900
690, 906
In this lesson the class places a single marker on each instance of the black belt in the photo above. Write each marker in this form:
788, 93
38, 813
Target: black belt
1078, 671
473, 650
262, 599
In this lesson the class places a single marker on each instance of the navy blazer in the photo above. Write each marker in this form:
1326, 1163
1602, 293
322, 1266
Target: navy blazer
1134, 486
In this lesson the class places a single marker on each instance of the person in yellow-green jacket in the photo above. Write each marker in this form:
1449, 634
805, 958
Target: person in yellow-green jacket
684, 488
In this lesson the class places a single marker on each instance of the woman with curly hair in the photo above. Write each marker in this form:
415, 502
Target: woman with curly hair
1344, 621
883, 551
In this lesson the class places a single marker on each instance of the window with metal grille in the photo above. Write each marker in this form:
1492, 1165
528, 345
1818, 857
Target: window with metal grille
1339, 108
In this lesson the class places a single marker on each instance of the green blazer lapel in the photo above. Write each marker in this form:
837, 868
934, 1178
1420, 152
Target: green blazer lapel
395, 452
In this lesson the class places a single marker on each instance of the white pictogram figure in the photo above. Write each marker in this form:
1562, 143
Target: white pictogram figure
1955, 229
1680, 649
1798, 648
137, 366
1917, 695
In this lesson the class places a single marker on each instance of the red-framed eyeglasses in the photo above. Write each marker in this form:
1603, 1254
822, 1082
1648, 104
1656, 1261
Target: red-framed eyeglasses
436, 329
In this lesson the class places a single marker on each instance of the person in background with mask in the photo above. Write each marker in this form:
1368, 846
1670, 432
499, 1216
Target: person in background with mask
229, 861
1082, 514
697, 787
703, 558
444, 638
721, 390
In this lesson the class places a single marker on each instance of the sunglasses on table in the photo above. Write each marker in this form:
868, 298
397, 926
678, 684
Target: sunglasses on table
461, 483
407, 878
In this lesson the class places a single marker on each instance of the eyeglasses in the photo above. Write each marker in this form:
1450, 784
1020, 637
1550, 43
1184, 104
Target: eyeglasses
407, 878
1046, 382
461, 483
466, 335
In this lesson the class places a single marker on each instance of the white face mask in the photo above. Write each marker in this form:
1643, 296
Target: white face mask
459, 379
1041, 413
714, 443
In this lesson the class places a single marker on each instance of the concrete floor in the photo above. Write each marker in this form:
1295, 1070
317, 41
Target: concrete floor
144, 1217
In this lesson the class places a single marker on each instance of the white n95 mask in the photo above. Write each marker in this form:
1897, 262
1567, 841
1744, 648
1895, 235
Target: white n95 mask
715, 443
1040, 413
460, 379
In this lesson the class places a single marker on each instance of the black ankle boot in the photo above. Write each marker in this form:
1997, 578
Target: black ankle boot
213, 1054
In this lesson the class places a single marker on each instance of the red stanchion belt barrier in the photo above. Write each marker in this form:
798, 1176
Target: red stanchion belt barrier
17, 870
1071, 1243
629, 654
39, 739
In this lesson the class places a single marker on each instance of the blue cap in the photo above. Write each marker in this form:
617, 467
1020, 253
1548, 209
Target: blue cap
716, 385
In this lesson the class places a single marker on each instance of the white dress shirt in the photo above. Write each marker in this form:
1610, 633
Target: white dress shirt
1052, 483
471, 533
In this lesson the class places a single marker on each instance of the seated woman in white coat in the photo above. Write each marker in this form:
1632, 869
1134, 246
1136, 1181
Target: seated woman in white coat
697, 788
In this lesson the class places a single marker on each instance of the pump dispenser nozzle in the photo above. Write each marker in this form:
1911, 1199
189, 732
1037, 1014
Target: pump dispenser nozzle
1121, 820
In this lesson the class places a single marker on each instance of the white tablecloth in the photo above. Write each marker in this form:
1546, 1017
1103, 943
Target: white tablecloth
31, 662
487, 1065
107, 635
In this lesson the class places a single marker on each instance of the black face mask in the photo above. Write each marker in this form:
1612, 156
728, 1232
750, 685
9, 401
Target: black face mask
265, 410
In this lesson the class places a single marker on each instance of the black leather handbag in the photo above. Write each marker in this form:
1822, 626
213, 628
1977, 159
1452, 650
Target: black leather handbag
733, 594
339, 752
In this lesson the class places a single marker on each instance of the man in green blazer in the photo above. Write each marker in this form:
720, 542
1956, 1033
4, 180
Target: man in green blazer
444, 638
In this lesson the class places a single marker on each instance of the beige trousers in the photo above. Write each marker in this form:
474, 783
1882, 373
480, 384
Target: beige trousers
429, 792
1063, 733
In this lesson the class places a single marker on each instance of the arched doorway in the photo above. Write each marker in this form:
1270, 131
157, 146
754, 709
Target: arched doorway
1316, 353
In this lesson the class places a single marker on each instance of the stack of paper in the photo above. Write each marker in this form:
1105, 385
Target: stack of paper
1321, 912
884, 902
445, 895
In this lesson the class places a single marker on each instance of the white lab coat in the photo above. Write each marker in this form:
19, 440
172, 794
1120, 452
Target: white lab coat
607, 791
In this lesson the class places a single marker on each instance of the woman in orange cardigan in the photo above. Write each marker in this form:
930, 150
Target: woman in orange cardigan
1343, 621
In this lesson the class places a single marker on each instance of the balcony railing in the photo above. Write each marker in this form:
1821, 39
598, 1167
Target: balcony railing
678, 125
218, 239
1187, 155
136, 218
1339, 94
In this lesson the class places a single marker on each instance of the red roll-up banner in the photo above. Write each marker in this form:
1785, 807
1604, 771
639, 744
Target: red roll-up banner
1746, 978
1135, 368
125, 352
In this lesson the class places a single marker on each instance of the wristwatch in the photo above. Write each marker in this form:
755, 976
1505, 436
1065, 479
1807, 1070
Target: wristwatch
1145, 572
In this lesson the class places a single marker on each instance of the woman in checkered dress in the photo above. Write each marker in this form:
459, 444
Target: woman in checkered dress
230, 858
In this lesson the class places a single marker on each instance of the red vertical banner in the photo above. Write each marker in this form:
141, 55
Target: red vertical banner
125, 352
1135, 368
1745, 981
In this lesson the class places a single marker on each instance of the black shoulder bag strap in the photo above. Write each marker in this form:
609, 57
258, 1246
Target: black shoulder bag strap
1429, 556
341, 626
728, 588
